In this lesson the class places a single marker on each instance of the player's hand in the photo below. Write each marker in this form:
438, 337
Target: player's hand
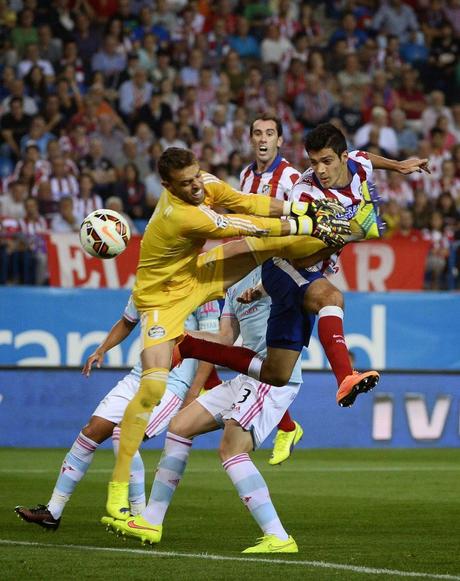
408, 166
332, 207
95, 358
250, 295
332, 231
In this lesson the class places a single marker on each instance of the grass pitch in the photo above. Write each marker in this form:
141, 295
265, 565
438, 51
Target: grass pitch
355, 514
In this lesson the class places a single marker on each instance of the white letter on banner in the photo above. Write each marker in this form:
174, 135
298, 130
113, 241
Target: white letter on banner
373, 279
420, 425
382, 420
68, 263
44, 339
111, 273
77, 344
375, 347
6, 337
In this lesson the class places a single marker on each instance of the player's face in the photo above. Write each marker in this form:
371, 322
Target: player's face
329, 168
187, 184
265, 140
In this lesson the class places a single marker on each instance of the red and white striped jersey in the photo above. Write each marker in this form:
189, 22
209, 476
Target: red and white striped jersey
276, 181
309, 187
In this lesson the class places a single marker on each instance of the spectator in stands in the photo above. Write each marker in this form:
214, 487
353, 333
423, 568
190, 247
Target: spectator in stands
431, 113
349, 32
65, 221
110, 136
130, 154
397, 18
444, 56
147, 25
32, 58
17, 90
379, 94
134, 94
276, 50
14, 126
405, 229
352, 77
397, 188
436, 261
12, 202
349, 114
445, 205
314, 105
131, 190
406, 137
411, 99
391, 212
37, 134
88, 199
421, 209
108, 61
169, 136
387, 136
33, 228
25, 32
49, 47
86, 36
36, 85
449, 182
100, 168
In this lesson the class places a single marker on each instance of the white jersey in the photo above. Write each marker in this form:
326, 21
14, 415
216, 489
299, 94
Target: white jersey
252, 318
204, 318
276, 181
309, 187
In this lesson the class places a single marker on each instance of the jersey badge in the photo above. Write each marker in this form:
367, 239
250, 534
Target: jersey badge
156, 332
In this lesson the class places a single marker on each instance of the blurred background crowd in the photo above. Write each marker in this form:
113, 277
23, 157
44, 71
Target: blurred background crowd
92, 91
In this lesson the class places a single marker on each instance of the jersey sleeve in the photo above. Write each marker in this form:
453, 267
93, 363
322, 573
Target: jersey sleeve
203, 222
130, 313
304, 190
208, 317
362, 158
224, 195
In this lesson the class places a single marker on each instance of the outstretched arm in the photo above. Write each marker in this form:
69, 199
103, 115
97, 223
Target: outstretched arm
116, 335
405, 167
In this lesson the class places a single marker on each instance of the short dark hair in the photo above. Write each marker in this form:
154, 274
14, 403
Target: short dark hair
326, 135
268, 117
174, 158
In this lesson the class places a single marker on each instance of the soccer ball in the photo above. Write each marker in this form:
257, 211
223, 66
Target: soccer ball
104, 234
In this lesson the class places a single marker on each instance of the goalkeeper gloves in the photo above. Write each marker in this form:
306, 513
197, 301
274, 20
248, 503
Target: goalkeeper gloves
312, 208
329, 229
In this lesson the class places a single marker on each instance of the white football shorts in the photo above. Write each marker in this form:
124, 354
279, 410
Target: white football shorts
257, 407
112, 407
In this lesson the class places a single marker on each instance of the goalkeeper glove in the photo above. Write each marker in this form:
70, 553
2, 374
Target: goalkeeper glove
330, 230
312, 208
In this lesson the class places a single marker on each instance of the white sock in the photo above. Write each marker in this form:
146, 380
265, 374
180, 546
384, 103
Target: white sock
254, 494
73, 468
168, 475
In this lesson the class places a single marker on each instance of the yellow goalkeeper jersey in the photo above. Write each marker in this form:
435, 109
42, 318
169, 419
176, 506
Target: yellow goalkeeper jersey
178, 230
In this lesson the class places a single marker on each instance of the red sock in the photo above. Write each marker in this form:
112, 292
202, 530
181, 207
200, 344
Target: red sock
286, 424
212, 380
330, 332
236, 358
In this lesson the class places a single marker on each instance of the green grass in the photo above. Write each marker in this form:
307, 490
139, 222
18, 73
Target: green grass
395, 509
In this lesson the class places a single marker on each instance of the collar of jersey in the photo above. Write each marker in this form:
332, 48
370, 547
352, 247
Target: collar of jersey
274, 165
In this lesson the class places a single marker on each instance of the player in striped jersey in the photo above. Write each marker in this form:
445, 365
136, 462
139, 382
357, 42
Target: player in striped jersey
272, 175
107, 415
299, 289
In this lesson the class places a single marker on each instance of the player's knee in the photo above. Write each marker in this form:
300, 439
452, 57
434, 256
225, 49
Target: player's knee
178, 427
96, 432
276, 376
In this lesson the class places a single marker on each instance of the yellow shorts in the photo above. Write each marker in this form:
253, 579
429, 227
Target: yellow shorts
166, 322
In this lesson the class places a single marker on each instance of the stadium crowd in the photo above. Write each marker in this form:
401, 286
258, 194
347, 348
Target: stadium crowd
92, 91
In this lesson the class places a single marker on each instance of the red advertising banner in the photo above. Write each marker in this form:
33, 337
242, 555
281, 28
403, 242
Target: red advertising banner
370, 266
382, 265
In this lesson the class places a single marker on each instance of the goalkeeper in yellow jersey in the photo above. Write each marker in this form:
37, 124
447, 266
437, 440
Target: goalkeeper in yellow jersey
173, 278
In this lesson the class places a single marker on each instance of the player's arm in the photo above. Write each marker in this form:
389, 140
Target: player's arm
203, 222
116, 335
405, 166
259, 205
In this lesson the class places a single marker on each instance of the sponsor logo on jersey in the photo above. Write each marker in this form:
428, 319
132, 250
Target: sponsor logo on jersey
349, 212
156, 332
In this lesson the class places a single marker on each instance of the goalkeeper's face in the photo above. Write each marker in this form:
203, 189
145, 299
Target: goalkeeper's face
187, 184
329, 168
